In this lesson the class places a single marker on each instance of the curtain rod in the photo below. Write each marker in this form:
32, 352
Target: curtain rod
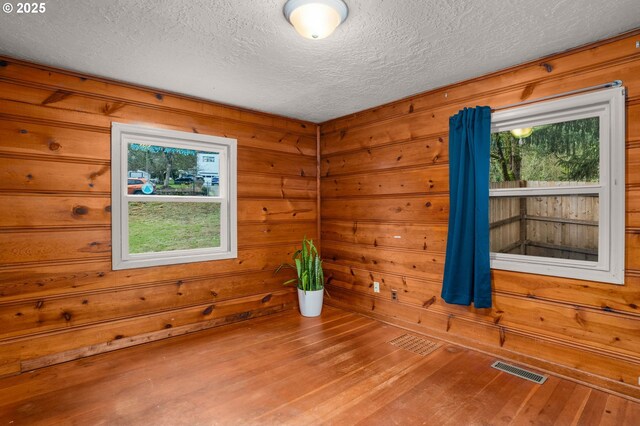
614, 83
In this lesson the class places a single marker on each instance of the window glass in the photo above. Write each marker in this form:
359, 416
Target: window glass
160, 226
562, 227
173, 171
564, 153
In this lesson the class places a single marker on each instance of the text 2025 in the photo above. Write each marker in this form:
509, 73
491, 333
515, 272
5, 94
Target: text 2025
31, 8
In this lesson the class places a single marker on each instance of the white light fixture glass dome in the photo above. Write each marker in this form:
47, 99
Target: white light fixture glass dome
315, 19
522, 133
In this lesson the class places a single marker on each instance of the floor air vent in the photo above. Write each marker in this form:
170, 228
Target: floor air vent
520, 372
415, 344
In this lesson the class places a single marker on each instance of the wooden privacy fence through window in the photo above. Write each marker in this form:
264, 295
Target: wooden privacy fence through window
562, 226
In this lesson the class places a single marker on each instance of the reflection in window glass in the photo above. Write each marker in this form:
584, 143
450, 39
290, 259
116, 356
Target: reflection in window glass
558, 154
160, 170
563, 227
158, 226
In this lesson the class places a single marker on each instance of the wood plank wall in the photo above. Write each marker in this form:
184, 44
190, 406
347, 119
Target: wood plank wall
384, 186
59, 298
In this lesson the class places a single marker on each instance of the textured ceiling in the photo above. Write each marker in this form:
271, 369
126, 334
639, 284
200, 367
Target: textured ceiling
244, 53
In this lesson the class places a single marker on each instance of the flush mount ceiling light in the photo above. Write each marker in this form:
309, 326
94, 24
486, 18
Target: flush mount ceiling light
315, 19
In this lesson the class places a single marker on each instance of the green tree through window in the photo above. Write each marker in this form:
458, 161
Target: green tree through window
566, 151
161, 161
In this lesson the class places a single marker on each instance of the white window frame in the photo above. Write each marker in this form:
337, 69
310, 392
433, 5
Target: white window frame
609, 106
121, 136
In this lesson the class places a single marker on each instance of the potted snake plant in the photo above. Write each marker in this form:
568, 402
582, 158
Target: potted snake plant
309, 280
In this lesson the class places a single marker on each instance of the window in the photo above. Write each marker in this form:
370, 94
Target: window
164, 211
557, 187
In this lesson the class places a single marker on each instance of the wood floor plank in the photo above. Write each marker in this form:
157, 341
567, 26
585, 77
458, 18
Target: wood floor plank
339, 369
502, 388
313, 404
252, 368
229, 365
594, 409
359, 406
575, 405
431, 400
632, 414
397, 365
234, 338
556, 402
614, 411
531, 408
330, 361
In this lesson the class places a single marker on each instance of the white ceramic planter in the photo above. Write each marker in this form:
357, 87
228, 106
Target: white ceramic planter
310, 302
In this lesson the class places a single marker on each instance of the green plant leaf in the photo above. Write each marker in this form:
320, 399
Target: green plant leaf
308, 267
291, 281
283, 266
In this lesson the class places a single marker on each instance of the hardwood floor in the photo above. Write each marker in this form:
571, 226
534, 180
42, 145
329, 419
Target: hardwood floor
286, 369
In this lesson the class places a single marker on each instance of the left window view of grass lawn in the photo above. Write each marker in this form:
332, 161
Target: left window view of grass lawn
158, 226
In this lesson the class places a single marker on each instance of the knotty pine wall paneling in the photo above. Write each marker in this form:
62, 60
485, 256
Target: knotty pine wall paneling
384, 213
59, 298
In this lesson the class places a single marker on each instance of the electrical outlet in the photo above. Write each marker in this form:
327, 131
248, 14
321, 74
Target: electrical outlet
376, 287
394, 295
